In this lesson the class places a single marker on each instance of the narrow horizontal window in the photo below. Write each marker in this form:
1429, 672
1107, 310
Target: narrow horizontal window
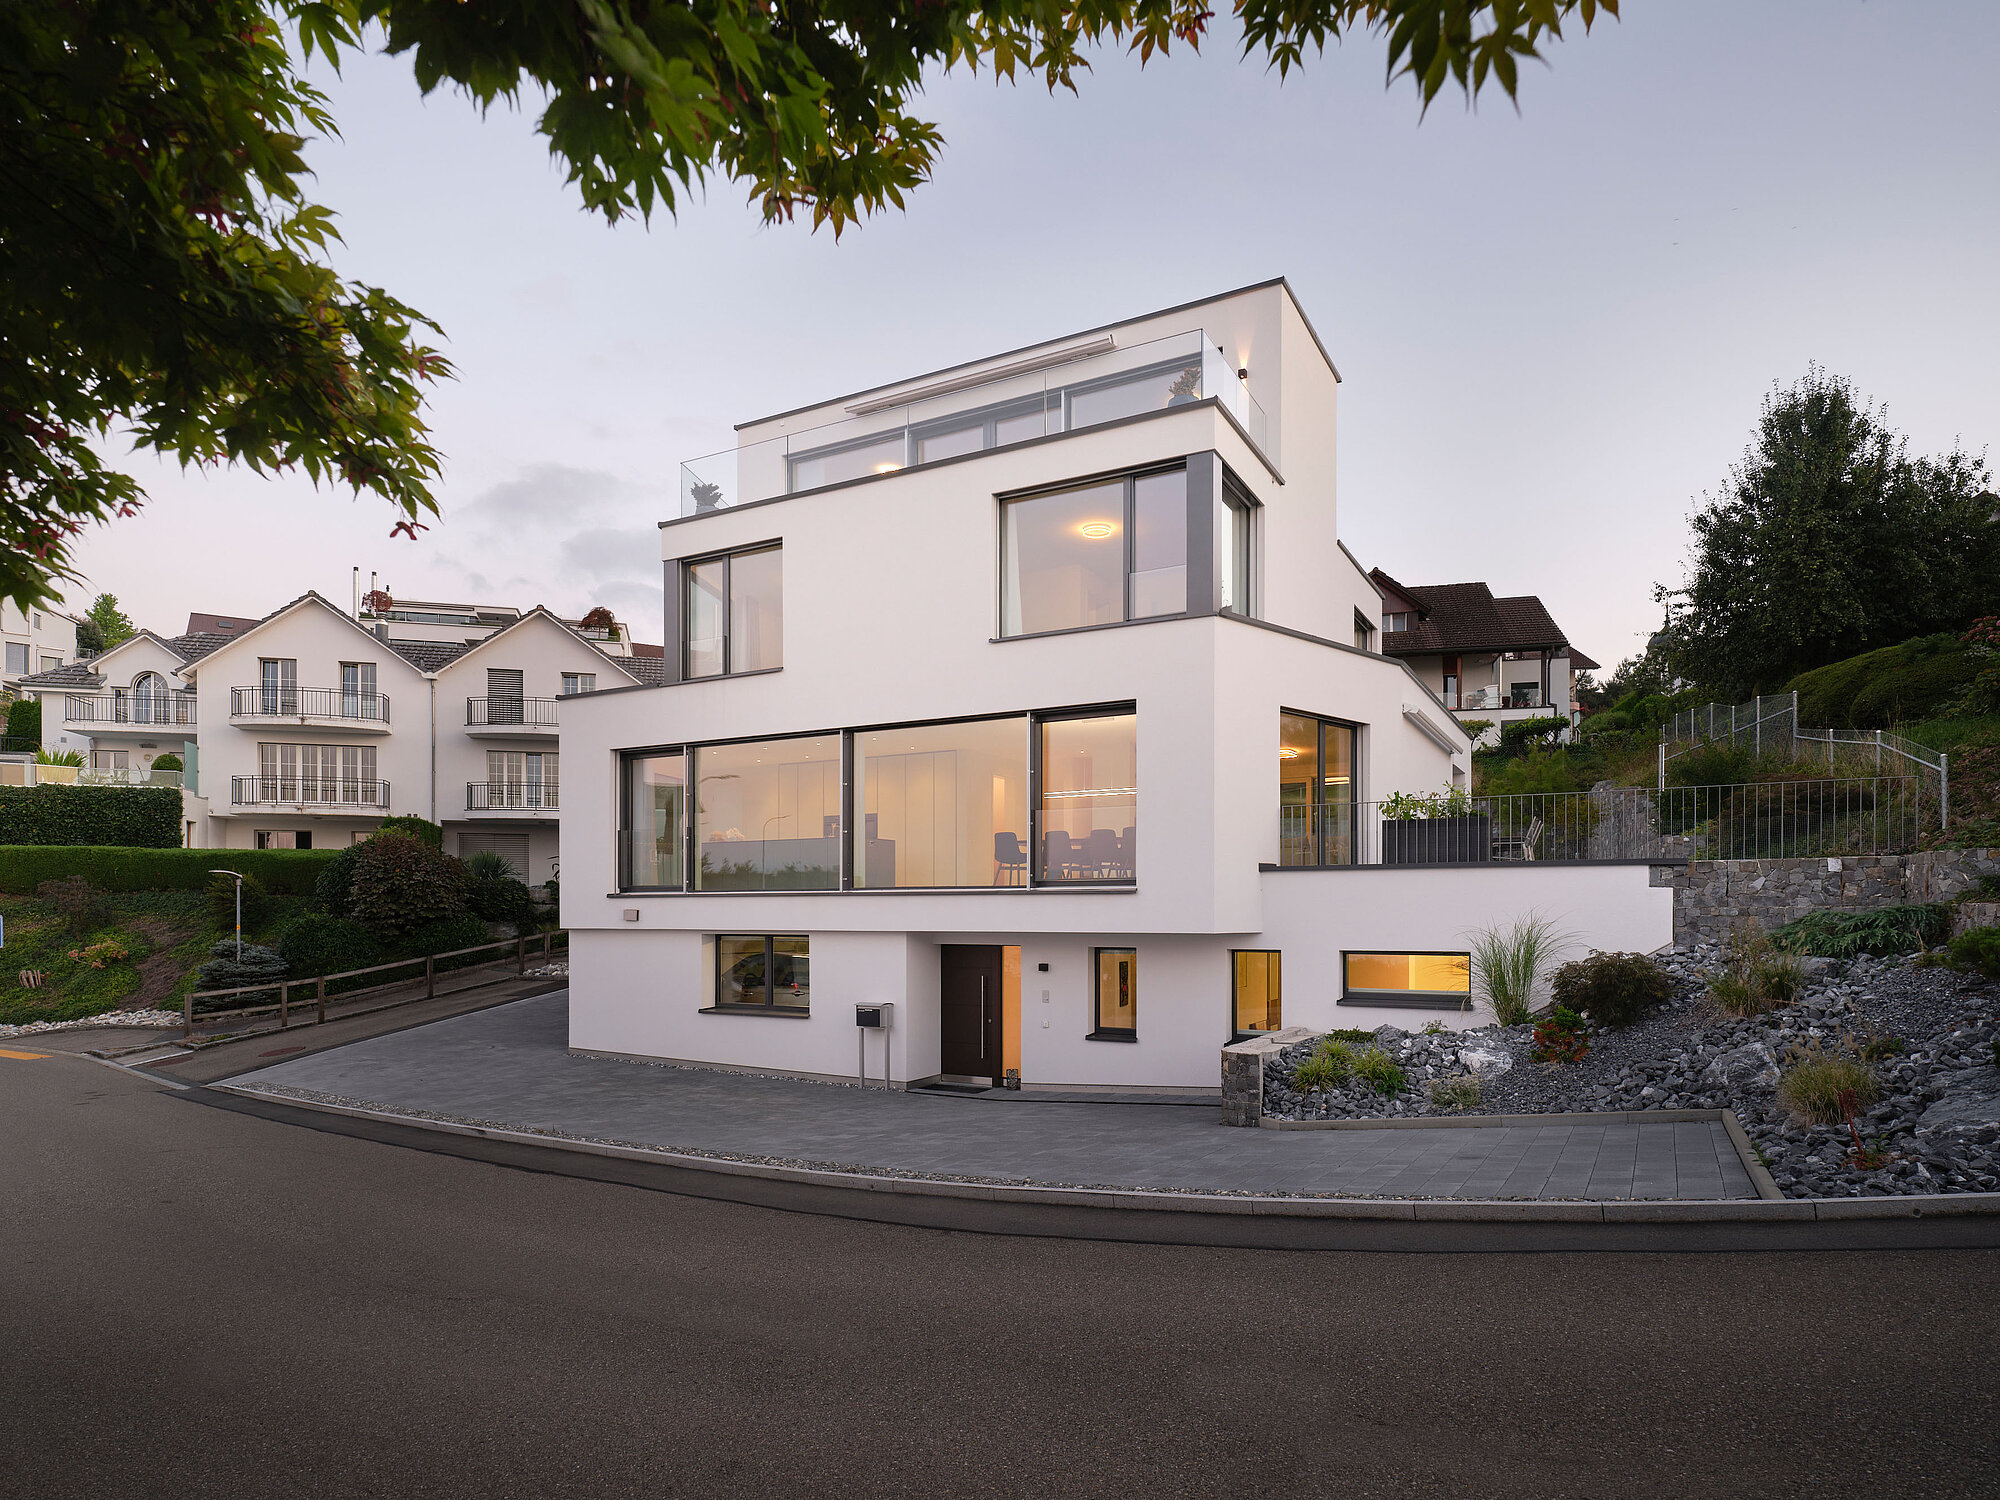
1432, 981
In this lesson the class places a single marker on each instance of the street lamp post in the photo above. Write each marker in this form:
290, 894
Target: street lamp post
237, 875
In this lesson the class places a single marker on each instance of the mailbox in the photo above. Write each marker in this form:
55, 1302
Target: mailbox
874, 1017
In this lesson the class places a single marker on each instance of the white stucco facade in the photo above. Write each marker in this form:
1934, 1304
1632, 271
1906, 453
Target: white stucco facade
896, 612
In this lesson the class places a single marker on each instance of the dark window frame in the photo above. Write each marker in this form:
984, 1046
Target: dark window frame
1407, 999
1354, 800
1128, 542
1036, 720
1236, 1034
625, 759
717, 1006
1099, 1032
684, 570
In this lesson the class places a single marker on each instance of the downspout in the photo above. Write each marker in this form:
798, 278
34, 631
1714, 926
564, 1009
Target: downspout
431, 677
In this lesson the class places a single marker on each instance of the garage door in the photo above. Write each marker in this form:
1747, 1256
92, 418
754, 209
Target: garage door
512, 847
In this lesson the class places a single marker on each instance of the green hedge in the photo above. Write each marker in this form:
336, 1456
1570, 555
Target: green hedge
1880, 688
129, 817
284, 872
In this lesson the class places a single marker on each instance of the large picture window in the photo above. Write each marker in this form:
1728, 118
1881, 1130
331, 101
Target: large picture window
1423, 981
767, 815
1117, 1009
733, 613
1255, 992
1089, 798
1315, 791
1095, 555
942, 804
771, 974
655, 821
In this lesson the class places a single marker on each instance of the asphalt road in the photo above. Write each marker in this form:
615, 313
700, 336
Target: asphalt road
197, 1302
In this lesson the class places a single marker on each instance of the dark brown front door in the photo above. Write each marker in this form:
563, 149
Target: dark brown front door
969, 1010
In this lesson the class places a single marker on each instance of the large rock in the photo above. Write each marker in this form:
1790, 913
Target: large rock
1487, 1059
1742, 1067
1966, 1106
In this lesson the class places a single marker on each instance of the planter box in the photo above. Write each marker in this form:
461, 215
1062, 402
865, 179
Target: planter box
1437, 841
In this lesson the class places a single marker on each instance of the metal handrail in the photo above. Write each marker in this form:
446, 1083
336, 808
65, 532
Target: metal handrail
126, 708
496, 796
307, 791
308, 703
282, 1004
530, 713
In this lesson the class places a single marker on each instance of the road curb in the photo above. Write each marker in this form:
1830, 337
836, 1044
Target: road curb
1962, 1220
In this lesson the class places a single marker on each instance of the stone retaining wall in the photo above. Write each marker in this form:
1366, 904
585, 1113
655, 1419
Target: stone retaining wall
1711, 896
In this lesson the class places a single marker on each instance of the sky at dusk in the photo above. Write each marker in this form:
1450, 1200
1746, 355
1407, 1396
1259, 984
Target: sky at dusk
1554, 326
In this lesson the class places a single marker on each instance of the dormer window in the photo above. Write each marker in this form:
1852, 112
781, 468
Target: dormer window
1393, 624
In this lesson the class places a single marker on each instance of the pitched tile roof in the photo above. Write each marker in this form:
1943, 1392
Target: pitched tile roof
650, 669
197, 644
68, 675
223, 625
428, 656
1455, 617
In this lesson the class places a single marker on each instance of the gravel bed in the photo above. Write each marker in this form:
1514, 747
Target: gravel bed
108, 1018
1936, 1128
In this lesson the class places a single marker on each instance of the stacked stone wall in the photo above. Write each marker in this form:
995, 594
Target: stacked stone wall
1712, 896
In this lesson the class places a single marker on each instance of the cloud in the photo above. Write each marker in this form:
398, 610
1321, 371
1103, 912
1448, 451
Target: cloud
549, 492
613, 552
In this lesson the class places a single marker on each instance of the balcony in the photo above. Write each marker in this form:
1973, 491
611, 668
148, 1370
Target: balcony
1094, 384
365, 712
512, 798
319, 793
102, 713
511, 718
126, 776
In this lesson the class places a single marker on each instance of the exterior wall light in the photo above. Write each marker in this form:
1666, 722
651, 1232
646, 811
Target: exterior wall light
1242, 372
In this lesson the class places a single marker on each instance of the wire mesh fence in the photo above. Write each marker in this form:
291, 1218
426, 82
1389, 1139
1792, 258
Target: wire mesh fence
1751, 820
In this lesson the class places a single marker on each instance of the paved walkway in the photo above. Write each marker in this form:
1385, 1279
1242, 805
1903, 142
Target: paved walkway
509, 1065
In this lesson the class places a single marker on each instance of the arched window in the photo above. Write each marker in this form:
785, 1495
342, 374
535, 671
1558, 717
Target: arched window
151, 702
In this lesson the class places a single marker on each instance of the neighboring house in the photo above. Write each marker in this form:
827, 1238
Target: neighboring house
1032, 698
306, 727
31, 641
1500, 660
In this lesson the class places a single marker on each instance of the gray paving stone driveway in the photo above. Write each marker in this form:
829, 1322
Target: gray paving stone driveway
510, 1065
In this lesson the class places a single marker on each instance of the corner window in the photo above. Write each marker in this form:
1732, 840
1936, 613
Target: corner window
1232, 546
653, 825
733, 613
1315, 791
1117, 1009
1089, 799
1255, 999
772, 974
1421, 981
767, 815
1096, 555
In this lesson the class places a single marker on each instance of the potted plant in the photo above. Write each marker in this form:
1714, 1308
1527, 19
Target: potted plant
1434, 828
1186, 388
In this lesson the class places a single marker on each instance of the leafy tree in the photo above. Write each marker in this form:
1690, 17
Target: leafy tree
1831, 540
103, 625
163, 273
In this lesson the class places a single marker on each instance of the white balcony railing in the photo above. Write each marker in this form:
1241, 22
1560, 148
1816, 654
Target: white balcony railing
308, 791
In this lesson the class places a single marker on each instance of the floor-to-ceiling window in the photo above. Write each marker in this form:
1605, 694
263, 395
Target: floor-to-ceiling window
767, 815
733, 613
1315, 791
1095, 555
1089, 795
942, 804
654, 822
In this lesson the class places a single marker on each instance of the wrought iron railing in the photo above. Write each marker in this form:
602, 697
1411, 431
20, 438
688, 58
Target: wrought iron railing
308, 703
504, 796
1752, 820
529, 713
128, 708
307, 791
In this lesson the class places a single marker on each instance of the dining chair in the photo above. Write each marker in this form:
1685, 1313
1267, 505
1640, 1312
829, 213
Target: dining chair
1100, 852
1008, 858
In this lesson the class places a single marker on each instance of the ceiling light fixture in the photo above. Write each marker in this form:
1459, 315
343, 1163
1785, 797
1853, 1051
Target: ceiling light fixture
1097, 531
1287, 752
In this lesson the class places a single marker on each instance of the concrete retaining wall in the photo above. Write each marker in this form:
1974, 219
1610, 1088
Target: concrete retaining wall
1712, 896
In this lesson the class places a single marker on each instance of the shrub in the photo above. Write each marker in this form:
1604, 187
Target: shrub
488, 864
402, 883
1978, 949
504, 900
287, 872
1461, 1091
317, 944
97, 955
1897, 683
1452, 802
1886, 930
422, 828
333, 892
1560, 1037
24, 720
1612, 989
1507, 965
1475, 727
1778, 977
225, 971
1378, 1069
1352, 1037
1515, 737
222, 903
1318, 1072
1733, 996
168, 762
77, 902
123, 816
445, 935
1823, 1088
58, 757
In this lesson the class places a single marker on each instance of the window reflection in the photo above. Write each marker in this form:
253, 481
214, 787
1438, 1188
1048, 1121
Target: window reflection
1315, 791
1159, 545
942, 805
1095, 555
1129, 396
880, 455
768, 971
655, 809
767, 815
1089, 799
707, 587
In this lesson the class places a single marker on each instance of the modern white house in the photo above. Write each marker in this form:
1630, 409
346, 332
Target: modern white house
1033, 700
305, 727
33, 640
1489, 659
